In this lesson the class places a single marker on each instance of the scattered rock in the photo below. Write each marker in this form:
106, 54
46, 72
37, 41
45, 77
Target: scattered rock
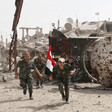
4, 80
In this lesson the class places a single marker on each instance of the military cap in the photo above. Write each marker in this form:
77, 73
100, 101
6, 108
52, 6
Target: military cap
61, 60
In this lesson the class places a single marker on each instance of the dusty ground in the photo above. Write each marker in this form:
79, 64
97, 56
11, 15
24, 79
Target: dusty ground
48, 99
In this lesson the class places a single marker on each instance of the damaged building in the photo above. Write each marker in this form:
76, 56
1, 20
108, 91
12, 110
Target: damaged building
32, 44
36, 43
87, 29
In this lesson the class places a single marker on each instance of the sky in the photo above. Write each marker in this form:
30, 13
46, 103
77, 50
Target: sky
42, 13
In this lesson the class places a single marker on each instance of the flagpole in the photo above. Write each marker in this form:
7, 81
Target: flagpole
98, 26
98, 23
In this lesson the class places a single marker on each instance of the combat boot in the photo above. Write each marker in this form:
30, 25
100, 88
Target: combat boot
63, 97
67, 101
24, 91
38, 87
30, 96
41, 84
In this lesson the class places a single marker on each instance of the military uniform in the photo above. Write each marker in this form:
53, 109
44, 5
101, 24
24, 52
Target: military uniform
41, 68
25, 74
72, 68
63, 77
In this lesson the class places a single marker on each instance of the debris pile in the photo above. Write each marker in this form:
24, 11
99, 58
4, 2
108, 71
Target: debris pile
36, 43
32, 44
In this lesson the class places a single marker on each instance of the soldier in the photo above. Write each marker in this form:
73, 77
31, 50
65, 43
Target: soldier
62, 72
73, 66
71, 62
40, 64
25, 77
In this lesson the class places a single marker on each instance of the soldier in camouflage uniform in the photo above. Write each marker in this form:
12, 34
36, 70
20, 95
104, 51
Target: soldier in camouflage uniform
73, 66
25, 76
40, 64
62, 72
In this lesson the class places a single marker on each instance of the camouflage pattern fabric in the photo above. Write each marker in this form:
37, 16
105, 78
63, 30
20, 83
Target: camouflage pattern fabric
39, 64
41, 68
25, 73
63, 77
25, 82
25, 68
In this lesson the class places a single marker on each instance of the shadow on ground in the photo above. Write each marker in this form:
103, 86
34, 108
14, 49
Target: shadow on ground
15, 100
13, 87
44, 107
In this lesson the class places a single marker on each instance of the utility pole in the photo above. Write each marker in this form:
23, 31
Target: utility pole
12, 50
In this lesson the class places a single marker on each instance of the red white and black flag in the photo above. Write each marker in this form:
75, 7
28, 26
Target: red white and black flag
50, 63
97, 13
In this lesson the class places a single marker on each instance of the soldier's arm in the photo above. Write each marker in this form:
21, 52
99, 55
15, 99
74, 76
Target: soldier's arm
50, 77
37, 71
72, 72
43, 62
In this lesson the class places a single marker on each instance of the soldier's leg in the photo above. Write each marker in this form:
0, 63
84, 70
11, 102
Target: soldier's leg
37, 79
41, 80
37, 82
23, 84
72, 78
60, 85
30, 88
20, 83
67, 91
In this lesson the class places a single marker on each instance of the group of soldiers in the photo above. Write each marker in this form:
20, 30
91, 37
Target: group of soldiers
62, 71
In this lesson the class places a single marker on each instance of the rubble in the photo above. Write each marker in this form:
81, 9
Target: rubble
3, 57
36, 43
88, 29
7, 76
33, 44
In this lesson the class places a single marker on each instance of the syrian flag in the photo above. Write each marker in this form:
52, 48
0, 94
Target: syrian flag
97, 13
50, 63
